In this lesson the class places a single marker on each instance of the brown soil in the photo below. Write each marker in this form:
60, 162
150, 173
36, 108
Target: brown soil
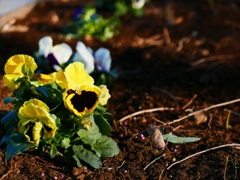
147, 63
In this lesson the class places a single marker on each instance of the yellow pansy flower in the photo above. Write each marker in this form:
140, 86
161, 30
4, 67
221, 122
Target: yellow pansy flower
82, 101
104, 95
34, 116
14, 69
81, 96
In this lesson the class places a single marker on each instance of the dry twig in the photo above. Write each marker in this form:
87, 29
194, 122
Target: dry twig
153, 161
202, 110
214, 58
201, 152
190, 102
146, 111
9, 171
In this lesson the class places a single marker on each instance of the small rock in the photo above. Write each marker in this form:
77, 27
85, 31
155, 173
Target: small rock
200, 117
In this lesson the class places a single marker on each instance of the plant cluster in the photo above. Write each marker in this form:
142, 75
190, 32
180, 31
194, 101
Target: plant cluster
51, 58
88, 23
59, 112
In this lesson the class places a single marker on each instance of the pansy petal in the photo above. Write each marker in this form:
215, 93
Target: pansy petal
88, 66
36, 131
76, 75
49, 126
33, 108
61, 79
45, 44
103, 59
61, 52
8, 80
84, 55
43, 78
104, 95
14, 64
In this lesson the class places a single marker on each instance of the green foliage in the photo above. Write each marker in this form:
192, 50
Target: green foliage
16, 144
105, 147
179, 140
87, 156
92, 24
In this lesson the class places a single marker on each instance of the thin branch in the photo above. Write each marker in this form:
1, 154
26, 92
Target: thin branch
8, 172
201, 152
153, 161
235, 113
214, 58
190, 102
167, 36
146, 111
205, 109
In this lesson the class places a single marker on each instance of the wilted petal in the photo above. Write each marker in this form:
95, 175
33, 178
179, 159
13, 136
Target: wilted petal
103, 59
61, 52
45, 45
33, 115
84, 56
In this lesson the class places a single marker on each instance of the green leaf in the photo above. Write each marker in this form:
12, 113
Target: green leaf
91, 136
105, 147
179, 140
65, 143
77, 160
16, 144
8, 100
53, 150
10, 121
100, 109
103, 125
87, 156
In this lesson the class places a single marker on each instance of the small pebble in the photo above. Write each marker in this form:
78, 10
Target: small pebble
121, 135
125, 171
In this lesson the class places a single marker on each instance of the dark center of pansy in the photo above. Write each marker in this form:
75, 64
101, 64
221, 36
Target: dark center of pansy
30, 131
48, 129
86, 99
